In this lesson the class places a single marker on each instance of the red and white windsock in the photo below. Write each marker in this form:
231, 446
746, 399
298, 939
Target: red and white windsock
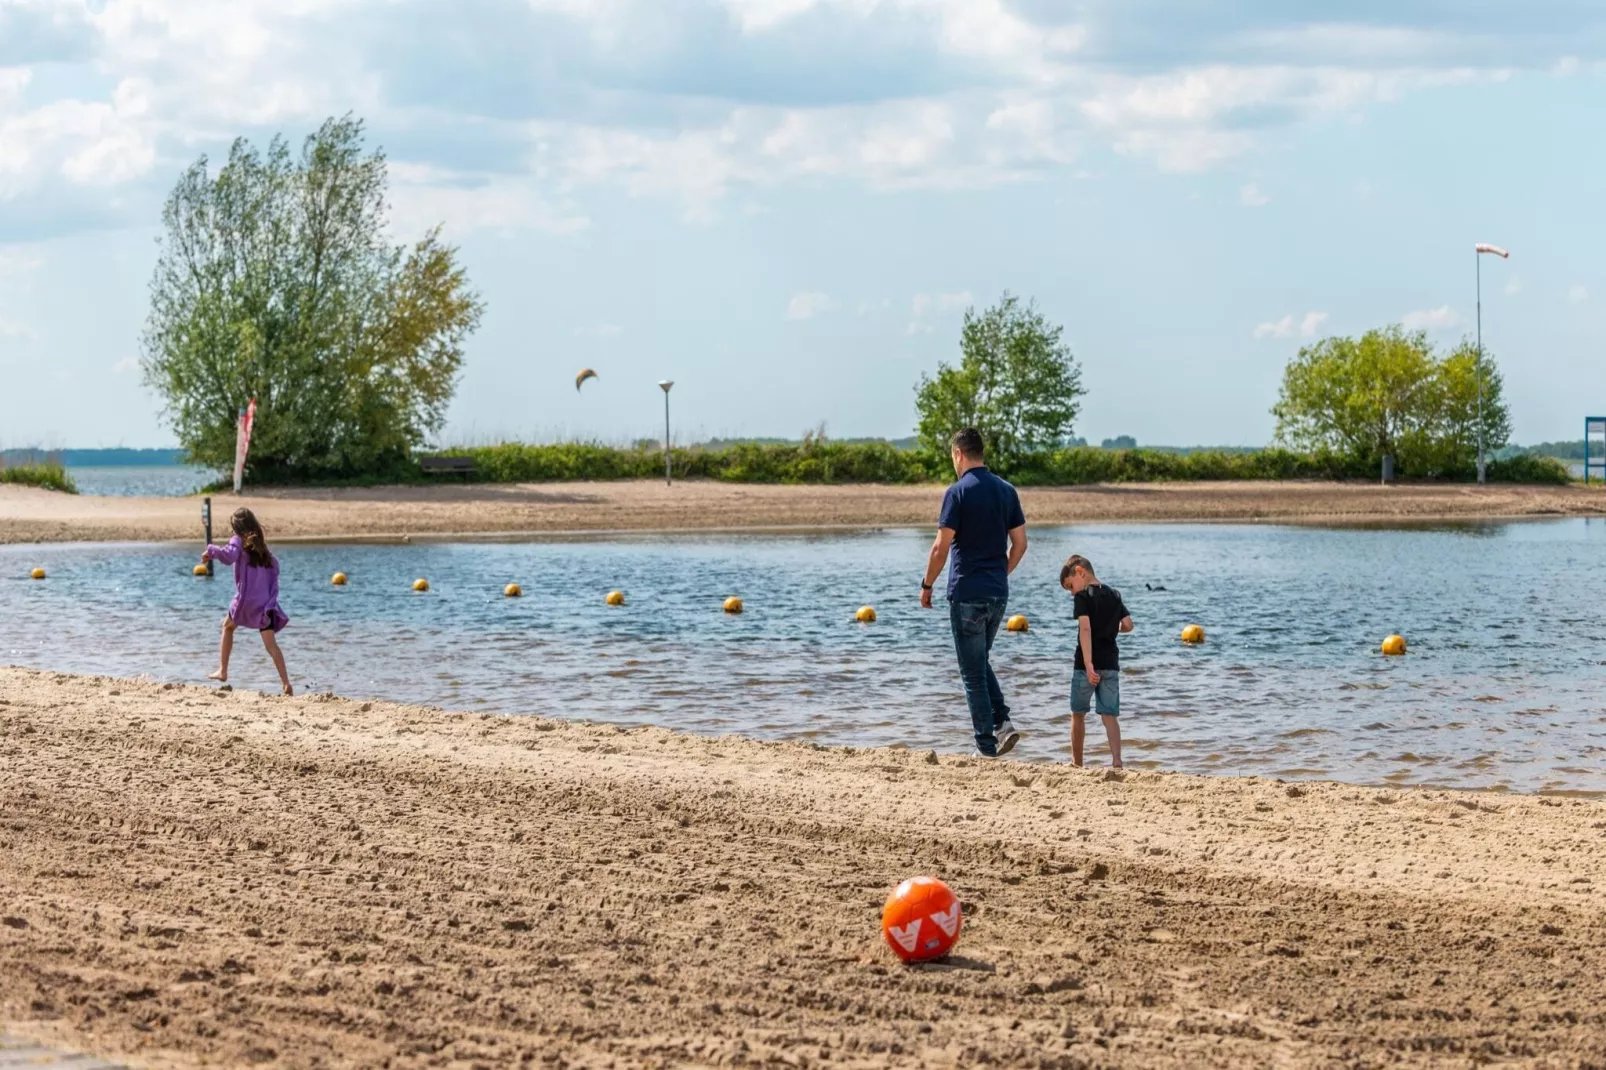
242, 441
1485, 247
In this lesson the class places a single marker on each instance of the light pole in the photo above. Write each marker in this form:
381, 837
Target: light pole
1481, 248
664, 385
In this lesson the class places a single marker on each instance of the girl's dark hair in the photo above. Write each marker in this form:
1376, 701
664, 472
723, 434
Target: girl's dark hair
247, 527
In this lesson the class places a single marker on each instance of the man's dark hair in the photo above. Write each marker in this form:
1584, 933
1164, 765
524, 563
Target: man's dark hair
1070, 566
968, 443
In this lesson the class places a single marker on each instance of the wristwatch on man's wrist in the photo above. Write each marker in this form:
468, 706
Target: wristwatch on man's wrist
924, 586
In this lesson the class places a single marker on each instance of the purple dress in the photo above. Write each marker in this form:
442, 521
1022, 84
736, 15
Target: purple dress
256, 590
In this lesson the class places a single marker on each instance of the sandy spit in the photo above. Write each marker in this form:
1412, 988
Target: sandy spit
31, 515
189, 878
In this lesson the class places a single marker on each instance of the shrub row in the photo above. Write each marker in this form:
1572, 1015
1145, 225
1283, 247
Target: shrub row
830, 462
49, 475
880, 462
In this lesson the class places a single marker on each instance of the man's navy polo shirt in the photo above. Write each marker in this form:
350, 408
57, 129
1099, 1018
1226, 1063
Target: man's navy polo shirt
981, 509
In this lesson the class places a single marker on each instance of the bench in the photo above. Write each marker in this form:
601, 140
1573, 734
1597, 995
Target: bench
462, 466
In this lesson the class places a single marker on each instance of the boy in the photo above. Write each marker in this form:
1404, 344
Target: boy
1100, 615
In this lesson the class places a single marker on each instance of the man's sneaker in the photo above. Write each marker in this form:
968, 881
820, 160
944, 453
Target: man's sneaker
1007, 738
979, 753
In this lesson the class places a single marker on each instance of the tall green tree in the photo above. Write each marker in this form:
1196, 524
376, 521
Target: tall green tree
1389, 392
1017, 383
276, 280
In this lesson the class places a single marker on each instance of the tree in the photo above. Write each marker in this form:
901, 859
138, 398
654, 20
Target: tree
276, 281
1017, 383
1389, 393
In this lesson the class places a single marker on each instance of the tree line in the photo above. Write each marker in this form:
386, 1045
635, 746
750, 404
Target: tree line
276, 281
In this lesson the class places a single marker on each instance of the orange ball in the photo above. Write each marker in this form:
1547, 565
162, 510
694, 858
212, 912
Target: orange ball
921, 920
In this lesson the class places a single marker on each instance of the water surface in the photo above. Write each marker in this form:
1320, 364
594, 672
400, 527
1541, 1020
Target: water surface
1505, 685
156, 480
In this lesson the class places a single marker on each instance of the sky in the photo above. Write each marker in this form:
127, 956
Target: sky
786, 206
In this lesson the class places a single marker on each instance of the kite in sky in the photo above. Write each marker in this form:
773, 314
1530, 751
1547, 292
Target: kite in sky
585, 373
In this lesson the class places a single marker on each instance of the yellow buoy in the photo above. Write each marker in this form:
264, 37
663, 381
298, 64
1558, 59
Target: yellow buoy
865, 615
338, 579
1193, 634
420, 584
733, 604
512, 590
37, 574
198, 570
1394, 645
1017, 623
615, 598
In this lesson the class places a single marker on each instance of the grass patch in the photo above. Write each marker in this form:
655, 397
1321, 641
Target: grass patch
49, 475
817, 462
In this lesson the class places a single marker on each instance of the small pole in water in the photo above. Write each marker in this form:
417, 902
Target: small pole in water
665, 384
206, 519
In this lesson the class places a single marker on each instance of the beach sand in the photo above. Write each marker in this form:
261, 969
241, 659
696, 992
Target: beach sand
460, 510
189, 877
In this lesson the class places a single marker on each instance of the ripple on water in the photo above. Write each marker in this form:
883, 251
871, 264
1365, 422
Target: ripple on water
1290, 683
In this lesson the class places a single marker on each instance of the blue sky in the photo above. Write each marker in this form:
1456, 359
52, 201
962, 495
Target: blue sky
786, 205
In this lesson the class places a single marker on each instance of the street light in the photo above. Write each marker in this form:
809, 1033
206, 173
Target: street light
664, 385
1483, 247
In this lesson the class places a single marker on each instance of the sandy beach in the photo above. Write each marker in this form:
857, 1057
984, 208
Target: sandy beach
470, 510
192, 877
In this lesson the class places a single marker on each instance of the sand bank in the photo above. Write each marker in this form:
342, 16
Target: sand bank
190, 877
461, 510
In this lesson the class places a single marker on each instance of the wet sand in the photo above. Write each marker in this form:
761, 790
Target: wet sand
470, 510
193, 878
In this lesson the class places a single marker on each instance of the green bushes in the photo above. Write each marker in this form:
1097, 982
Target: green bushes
1084, 464
881, 462
1525, 469
49, 474
811, 462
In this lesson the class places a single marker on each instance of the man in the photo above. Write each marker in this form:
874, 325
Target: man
981, 534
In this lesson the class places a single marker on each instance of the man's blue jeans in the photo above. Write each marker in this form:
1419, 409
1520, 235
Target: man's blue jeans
975, 624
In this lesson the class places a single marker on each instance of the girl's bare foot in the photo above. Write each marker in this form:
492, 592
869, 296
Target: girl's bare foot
220, 676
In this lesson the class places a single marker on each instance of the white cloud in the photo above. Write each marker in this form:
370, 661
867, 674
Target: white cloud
1578, 294
692, 99
1305, 326
601, 330
1250, 197
922, 307
807, 305
423, 196
1513, 286
126, 366
1283, 328
1442, 318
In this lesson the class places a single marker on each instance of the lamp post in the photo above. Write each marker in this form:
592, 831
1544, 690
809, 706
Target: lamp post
664, 385
1481, 248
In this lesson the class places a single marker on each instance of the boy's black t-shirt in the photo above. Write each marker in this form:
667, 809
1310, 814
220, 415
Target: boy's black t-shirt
1103, 608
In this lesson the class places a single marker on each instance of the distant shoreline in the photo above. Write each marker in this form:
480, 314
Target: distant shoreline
487, 511
98, 458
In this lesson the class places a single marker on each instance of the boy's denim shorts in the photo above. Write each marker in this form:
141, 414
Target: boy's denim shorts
1107, 695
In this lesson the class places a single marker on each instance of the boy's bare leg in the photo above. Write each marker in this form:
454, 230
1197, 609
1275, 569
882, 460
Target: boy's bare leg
224, 647
278, 660
1112, 731
1078, 736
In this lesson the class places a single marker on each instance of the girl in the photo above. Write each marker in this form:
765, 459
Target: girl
256, 593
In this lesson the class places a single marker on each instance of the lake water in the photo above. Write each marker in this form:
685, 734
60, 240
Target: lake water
1505, 685
165, 481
